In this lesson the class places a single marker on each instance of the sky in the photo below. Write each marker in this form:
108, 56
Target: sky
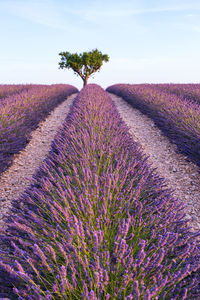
148, 41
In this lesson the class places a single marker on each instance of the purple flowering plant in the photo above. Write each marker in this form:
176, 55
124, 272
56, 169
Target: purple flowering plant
98, 222
10, 89
189, 91
21, 112
178, 117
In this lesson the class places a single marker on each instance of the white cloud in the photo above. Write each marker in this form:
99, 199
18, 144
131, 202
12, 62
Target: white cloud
44, 12
55, 14
119, 11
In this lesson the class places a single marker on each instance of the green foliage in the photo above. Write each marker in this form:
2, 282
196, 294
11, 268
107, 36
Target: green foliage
83, 64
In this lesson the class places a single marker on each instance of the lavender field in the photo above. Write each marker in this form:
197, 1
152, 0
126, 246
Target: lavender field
10, 89
97, 221
20, 112
173, 109
188, 91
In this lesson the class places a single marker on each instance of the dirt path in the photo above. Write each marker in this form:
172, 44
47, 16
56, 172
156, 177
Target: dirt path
14, 180
180, 175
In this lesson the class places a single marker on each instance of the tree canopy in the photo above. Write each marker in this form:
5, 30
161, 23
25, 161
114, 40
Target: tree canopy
83, 64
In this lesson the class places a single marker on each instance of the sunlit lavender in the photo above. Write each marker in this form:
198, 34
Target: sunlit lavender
177, 116
98, 223
21, 111
189, 91
10, 89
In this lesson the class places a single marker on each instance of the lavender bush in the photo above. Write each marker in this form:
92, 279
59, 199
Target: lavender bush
177, 117
97, 222
10, 89
20, 114
188, 91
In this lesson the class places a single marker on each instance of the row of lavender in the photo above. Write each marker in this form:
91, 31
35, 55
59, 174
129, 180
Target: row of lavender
188, 91
176, 116
97, 223
21, 112
10, 89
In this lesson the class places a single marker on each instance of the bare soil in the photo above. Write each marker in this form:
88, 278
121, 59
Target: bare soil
180, 175
18, 177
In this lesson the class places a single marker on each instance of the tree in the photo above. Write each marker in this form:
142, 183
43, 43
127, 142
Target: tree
83, 64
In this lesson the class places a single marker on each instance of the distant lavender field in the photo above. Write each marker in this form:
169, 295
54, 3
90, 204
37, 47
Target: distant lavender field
174, 108
188, 91
10, 89
97, 222
21, 111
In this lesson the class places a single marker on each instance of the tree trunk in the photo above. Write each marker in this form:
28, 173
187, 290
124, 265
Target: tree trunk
85, 80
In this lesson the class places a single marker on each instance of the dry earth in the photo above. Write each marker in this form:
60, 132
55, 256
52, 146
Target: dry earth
14, 180
180, 175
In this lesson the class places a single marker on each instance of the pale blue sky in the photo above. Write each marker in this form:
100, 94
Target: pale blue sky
147, 40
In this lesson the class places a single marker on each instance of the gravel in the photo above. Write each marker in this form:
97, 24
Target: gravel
180, 174
18, 177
